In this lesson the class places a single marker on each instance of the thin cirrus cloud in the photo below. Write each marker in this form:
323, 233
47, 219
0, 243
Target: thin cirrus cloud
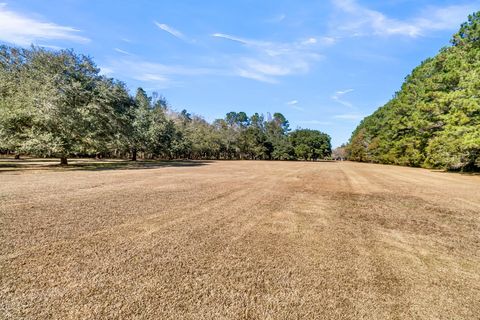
268, 61
338, 97
349, 116
358, 20
174, 32
122, 51
281, 47
19, 29
154, 74
264, 61
294, 105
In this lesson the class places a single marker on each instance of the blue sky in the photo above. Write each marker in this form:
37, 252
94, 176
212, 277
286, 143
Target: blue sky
323, 64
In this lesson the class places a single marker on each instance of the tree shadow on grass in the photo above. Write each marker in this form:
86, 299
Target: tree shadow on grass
10, 165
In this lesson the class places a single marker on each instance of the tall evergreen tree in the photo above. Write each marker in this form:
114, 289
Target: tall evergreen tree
434, 120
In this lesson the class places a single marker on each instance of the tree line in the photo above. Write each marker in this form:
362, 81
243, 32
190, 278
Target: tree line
57, 104
434, 120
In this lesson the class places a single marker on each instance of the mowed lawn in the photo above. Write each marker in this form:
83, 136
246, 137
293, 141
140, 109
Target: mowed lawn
238, 240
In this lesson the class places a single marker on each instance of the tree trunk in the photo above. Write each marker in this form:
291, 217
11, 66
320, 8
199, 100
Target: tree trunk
134, 154
63, 161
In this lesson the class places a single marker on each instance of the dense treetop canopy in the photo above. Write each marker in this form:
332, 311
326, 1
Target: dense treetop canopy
56, 104
434, 120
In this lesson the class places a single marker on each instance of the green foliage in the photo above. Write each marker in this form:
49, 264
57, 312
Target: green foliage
56, 104
311, 144
434, 120
469, 32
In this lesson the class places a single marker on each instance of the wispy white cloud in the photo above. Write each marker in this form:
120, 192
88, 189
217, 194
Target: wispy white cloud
328, 40
294, 105
263, 61
152, 77
174, 32
343, 92
349, 116
271, 71
324, 41
310, 41
268, 61
238, 39
254, 75
445, 18
337, 97
122, 51
358, 20
278, 69
106, 71
18, 28
155, 74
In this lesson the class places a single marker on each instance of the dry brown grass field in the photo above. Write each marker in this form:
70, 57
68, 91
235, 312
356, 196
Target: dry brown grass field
237, 240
